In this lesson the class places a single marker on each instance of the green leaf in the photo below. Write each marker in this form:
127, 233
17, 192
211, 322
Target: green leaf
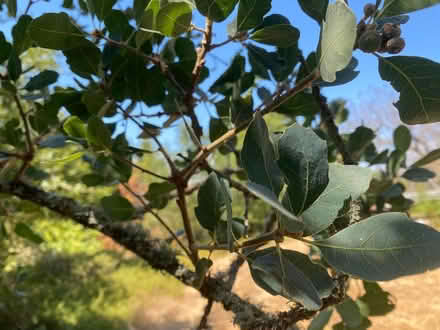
93, 180
14, 66
321, 320
26, 232
158, 194
350, 313
101, 8
53, 141
398, 7
402, 138
337, 40
217, 10
67, 159
258, 156
278, 275
56, 31
139, 7
20, 34
303, 160
395, 162
416, 79
345, 182
269, 197
429, 158
202, 268
316, 9
281, 35
418, 174
238, 227
147, 23
379, 302
174, 19
118, 25
382, 248
5, 48
302, 104
211, 202
12, 7
359, 140
261, 61
251, 13
75, 127
344, 76
84, 60
98, 133
117, 208
41, 80
231, 75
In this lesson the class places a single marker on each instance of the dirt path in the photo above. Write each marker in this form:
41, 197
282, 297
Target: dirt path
417, 301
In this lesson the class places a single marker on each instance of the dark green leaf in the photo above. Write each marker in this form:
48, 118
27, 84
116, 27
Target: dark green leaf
278, 275
101, 8
251, 13
398, 7
416, 79
418, 174
350, 313
316, 9
5, 48
93, 180
139, 7
303, 160
202, 268
429, 158
338, 37
56, 31
302, 104
98, 133
211, 202
14, 66
231, 75
242, 109
402, 138
359, 140
345, 182
268, 196
238, 226
395, 190
117, 208
395, 162
174, 18
378, 301
261, 61
158, 194
258, 156
26, 232
281, 35
12, 7
41, 80
382, 248
217, 10
20, 34
118, 25
84, 60
342, 77
321, 320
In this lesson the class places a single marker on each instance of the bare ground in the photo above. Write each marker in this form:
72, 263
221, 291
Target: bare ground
417, 301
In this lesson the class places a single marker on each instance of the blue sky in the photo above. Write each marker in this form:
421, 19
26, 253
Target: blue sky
420, 33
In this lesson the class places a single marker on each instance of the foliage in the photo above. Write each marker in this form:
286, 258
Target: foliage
72, 135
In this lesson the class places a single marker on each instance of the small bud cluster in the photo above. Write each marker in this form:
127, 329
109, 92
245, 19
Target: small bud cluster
386, 40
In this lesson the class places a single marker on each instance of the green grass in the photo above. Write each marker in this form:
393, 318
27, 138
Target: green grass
429, 209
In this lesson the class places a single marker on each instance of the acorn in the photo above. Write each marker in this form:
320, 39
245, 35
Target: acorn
369, 9
395, 45
370, 41
391, 31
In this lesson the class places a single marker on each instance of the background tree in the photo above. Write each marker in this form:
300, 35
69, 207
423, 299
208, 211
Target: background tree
147, 60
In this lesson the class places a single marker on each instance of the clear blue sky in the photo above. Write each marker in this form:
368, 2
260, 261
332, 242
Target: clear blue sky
420, 33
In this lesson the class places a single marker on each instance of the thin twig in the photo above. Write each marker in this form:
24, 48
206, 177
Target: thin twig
161, 221
207, 150
181, 202
140, 168
204, 320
